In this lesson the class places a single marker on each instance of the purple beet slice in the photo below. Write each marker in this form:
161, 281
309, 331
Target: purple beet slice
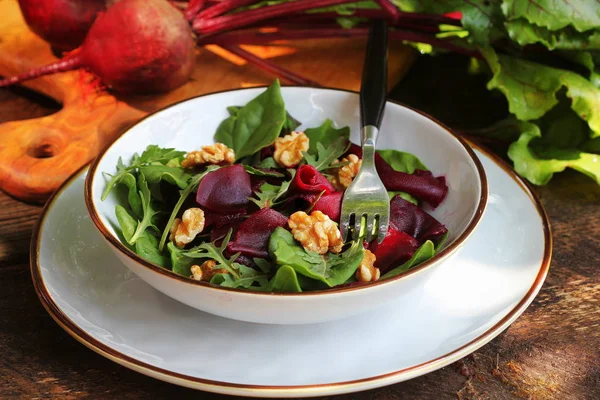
330, 205
310, 181
225, 190
252, 237
413, 220
397, 248
421, 184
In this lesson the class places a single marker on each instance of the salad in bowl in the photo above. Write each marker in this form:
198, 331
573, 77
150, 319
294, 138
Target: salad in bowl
259, 208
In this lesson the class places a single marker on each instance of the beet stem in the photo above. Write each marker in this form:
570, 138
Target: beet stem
269, 66
237, 20
263, 38
222, 7
193, 8
392, 12
68, 63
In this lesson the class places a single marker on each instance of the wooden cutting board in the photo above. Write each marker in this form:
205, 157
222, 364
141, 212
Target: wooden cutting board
37, 155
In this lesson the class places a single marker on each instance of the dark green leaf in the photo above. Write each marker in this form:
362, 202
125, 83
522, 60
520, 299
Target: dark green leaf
325, 134
423, 253
253, 171
553, 15
268, 162
290, 124
255, 125
148, 211
133, 197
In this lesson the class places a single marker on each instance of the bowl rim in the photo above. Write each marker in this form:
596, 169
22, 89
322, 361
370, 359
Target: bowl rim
116, 243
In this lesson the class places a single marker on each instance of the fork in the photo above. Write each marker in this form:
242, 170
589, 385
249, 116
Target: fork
366, 198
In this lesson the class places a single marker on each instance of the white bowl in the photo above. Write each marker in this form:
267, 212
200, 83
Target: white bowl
190, 124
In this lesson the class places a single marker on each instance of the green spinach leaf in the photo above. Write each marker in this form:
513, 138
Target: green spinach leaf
133, 197
331, 269
256, 125
147, 248
284, 281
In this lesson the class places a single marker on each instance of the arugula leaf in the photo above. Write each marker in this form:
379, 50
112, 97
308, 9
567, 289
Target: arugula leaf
255, 125
538, 167
183, 195
325, 156
126, 222
148, 211
172, 175
268, 162
331, 269
325, 134
553, 15
248, 277
402, 161
152, 154
531, 88
251, 170
266, 195
423, 253
133, 197
180, 264
284, 281
147, 248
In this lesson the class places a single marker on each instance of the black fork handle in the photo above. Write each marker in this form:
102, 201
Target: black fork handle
373, 90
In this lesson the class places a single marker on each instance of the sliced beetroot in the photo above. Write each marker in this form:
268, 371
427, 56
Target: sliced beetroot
411, 219
225, 190
310, 181
397, 248
218, 220
252, 237
421, 184
330, 205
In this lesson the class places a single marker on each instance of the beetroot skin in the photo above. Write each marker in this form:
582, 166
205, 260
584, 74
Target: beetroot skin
62, 23
310, 181
411, 219
396, 248
330, 205
225, 190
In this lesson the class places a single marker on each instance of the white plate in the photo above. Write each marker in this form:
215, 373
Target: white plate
463, 305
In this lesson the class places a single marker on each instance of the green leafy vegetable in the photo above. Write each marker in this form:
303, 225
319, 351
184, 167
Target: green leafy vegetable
423, 253
581, 14
253, 171
268, 194
152, 154
133, 197
173, 175
405, 196
325, 134
183, 195
290, 124
402, 161
149, 212
331, 269
147, 248
255, 125
284, 281
325, 156
268, 162
126, 222
180, 264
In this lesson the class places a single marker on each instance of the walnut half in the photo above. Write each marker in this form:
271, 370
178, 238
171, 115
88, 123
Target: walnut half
288, 149
206, 271
366, 272
184, 230
343, 176
212, 154
316, 232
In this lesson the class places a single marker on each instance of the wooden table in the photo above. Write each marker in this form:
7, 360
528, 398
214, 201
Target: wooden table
551, 352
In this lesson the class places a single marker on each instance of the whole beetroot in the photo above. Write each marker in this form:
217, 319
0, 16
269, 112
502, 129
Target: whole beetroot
62, 23
136, 46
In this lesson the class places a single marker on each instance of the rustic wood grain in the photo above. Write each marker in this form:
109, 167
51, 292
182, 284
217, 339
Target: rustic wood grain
551, 352
91, 118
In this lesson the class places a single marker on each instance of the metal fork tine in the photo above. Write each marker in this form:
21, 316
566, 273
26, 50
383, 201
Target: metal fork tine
370, 225
383, 229
357, 223
345, 226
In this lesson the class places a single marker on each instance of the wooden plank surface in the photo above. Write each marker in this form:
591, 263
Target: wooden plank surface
90, 118
551, 352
